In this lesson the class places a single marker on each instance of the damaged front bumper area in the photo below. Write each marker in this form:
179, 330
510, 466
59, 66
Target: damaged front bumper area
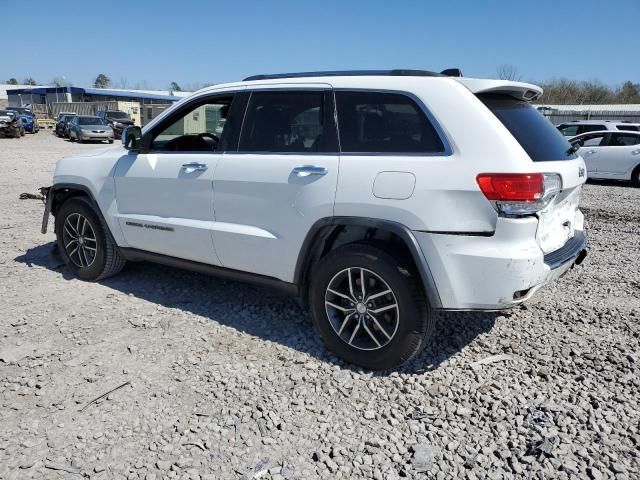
48, 201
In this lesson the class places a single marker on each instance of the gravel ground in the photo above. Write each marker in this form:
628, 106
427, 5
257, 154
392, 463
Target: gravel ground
225, 380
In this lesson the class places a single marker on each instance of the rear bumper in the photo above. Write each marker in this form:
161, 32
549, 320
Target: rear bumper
495, 272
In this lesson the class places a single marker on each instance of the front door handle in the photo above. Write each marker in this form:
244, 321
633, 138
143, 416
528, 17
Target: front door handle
636, 152
590, 152
194, 167
307, 170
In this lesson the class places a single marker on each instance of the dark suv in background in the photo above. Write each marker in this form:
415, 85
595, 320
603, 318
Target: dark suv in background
117, 120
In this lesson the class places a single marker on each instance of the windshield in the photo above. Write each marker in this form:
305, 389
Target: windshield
118, 115
90, 121
535, 134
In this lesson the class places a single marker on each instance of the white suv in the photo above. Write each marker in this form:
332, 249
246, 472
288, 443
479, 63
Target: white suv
578, 127
374, 196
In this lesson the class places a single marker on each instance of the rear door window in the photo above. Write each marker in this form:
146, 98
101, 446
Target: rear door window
633, 128
537, 135
623, 140
380, 122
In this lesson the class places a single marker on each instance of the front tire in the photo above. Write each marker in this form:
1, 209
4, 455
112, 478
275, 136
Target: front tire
83, 241
369, 308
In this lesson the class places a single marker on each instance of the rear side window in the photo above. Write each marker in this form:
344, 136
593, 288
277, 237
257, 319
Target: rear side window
633, 128
537, 135
284, 122
375, 122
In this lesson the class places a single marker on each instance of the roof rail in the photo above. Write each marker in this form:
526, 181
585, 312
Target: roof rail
356, 73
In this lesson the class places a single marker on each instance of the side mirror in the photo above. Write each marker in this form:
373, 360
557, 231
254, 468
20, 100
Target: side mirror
131, 137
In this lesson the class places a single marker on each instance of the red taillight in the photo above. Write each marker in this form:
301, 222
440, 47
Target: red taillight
512, 187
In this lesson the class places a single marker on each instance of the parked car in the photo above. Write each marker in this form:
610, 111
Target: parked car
578, 127
30, 123
89, 128
377, 197
62, 125
610, 154
10, 126
117, 120
22, 110
62, 114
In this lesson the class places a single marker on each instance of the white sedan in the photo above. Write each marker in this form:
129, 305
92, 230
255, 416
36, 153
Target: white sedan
610, 154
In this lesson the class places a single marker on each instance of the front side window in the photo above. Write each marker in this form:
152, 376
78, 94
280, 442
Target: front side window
623, 140
595, 140
282, 122
378, 122
198, 128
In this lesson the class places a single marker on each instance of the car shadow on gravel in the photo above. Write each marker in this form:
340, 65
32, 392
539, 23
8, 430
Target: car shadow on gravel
260, 311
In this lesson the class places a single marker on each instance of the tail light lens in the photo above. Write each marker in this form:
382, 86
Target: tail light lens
517, 194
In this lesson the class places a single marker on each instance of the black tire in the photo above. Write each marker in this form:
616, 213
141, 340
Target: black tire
108, 260
414, 323
635, 177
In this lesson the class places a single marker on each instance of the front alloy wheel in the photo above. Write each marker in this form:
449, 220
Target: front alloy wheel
79, 239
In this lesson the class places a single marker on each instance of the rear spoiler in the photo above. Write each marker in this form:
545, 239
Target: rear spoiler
519, 90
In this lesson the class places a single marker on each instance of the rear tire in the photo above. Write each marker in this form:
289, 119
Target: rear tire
363, 327
84, 242
635, 176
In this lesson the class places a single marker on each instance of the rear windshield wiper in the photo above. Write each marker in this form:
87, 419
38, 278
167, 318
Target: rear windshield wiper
573, 149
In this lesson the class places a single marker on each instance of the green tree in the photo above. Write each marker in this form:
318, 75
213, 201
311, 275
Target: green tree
102, 81
12, 81
174, 87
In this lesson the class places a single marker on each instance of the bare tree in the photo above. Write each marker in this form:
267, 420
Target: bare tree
30, 81
508, 72
60, 82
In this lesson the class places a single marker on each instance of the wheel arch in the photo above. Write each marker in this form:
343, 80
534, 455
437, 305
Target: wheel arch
61, 192
323, 237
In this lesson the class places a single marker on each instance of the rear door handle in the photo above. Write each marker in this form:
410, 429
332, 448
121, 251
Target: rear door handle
307, 170
194, 167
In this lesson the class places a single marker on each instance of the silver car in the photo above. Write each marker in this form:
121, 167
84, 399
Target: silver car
84, 128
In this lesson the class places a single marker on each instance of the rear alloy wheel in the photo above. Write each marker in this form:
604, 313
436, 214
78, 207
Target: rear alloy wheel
84, 243
368, 308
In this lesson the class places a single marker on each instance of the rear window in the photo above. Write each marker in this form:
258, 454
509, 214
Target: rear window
377, 122
537, 135
633, 128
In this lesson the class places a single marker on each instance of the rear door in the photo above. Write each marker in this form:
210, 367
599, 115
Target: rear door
620, 156
280, 180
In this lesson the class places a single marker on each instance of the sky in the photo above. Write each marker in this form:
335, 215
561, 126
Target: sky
147, 43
